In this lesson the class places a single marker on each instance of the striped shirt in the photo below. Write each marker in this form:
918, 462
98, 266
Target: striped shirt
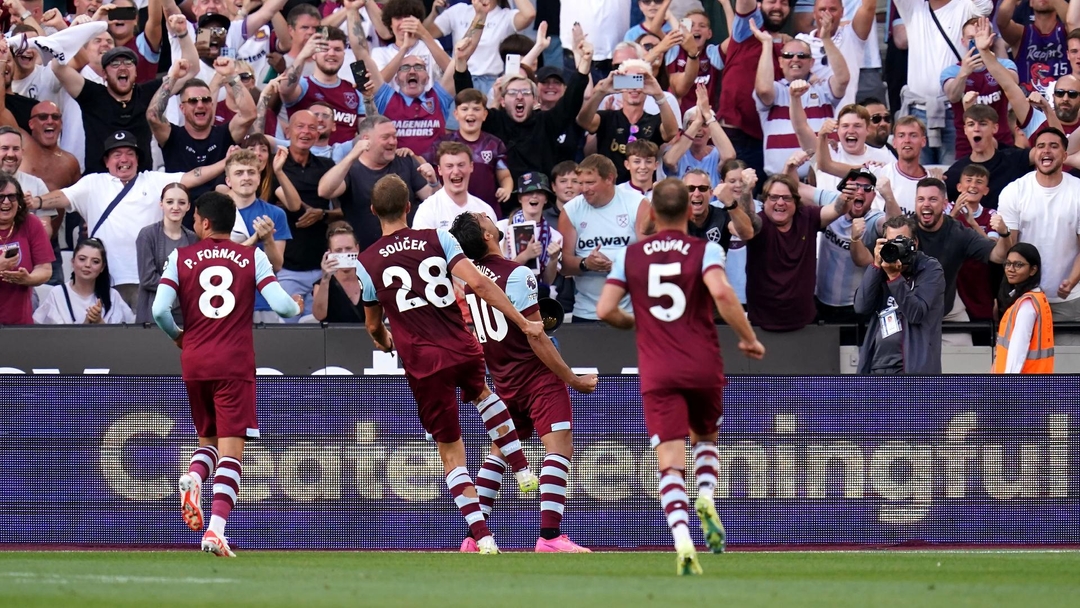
780, 138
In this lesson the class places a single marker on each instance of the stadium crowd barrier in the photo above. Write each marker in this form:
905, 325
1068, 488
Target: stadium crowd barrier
343, 464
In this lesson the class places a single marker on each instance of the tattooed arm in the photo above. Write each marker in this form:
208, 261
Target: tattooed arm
289, 89
266, 102
155, 114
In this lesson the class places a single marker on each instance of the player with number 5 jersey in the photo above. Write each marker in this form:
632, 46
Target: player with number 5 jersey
407, 275
673, 280
215, 281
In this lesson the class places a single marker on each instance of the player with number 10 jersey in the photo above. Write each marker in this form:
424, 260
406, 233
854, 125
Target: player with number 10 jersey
215, 280
406, 274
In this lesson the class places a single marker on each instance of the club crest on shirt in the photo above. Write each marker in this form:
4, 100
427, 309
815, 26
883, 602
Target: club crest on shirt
623, 220
351, 100
428, 105
582, 225
486, 155
713, 234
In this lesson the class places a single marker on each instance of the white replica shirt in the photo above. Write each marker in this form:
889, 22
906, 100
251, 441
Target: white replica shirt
439, 211
91, 195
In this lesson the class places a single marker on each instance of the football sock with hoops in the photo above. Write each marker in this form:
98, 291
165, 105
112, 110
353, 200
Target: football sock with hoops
674, 501
203, 462
706, 465
489, 481
459, 482
226, 489
553, 493
500, 427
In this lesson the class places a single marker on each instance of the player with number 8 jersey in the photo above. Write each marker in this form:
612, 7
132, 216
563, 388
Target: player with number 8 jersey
406, 274
673, 280
215, 281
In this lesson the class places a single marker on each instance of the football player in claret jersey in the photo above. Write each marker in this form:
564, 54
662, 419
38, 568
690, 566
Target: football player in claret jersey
530, 375
215, 281
673, 280
407, 274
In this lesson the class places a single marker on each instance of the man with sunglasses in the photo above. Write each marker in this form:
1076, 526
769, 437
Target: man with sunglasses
199, 142
42, 155
146, 44
120, 104
880, 127
772, 96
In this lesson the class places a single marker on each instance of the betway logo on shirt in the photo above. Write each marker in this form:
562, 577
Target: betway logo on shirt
603, 241
416, 128
348, 118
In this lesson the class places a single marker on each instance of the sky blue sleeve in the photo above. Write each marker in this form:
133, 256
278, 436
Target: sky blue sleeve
145, 50
949, 73
618, 267
521, 288
341, 150
383, 97
279, 300
824, 197
714, 256
166, 297
712, 51
169, 271
1008, 64
445, 98
366, 284
1036, 120
741, 29
303, 91
449, 244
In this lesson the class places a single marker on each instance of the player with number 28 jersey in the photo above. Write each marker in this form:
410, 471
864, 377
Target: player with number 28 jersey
215, 280
673, 280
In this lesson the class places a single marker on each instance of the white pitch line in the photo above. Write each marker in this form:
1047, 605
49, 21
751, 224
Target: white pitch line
102, 578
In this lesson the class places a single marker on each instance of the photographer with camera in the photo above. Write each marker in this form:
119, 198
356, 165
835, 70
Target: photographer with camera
905, 294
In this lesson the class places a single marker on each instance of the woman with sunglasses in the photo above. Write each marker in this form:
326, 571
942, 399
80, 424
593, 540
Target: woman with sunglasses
154, 244
87, 297
1025, 338
25, 254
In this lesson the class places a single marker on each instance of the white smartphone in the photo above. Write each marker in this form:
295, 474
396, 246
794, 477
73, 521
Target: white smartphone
513, 65
345, 260
623, 82
687, 24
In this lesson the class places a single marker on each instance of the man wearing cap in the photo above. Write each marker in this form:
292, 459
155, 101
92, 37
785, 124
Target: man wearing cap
551, 84
121, 104
118, 204
544, 250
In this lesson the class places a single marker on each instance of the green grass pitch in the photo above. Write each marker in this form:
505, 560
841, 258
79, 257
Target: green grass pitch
737, 579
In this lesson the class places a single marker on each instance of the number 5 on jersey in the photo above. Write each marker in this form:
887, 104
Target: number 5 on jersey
659, 289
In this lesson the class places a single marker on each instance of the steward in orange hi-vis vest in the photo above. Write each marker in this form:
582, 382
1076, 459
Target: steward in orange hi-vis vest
1040, 349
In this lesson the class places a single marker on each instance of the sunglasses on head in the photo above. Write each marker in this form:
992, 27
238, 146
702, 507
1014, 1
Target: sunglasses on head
46, 116
880, 118
698, 188
800, 55
195, 100
1061, 93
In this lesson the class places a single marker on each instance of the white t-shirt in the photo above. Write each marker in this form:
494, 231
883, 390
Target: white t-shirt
1048, 218
629, 189
91, 195
439, 211
611, 228
827, 181
53, 309
605, 21
499, 24
903, 187
928, 52
33, 186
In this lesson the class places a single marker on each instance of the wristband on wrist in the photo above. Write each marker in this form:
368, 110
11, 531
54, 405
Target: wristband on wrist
581, 265
694, 57
731, 207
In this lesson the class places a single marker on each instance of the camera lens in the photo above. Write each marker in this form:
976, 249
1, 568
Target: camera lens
890, 253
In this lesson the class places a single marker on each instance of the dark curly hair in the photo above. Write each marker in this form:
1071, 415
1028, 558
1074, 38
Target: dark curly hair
400, 9
470, 235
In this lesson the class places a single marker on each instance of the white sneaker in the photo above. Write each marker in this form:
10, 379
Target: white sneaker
487, 546
527, 481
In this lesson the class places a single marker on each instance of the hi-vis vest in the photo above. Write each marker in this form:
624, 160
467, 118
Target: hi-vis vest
1040, 355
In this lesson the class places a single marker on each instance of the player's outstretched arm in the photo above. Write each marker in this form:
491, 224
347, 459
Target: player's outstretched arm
732, 312
166, 297
276, 296
607, 307
490, 292
554, 361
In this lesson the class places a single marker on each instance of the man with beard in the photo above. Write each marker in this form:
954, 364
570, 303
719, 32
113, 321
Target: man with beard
909, 137
532, 136
146, 45
853, 125
1005, 163
971, 76
780, 290
773, 96
134, 195
299, 92
120, 104
738, 112
376, 150
944, 239
880, 124
199, 141
716, 223
1043, 208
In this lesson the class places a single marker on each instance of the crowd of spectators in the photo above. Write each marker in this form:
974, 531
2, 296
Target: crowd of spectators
809, 133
